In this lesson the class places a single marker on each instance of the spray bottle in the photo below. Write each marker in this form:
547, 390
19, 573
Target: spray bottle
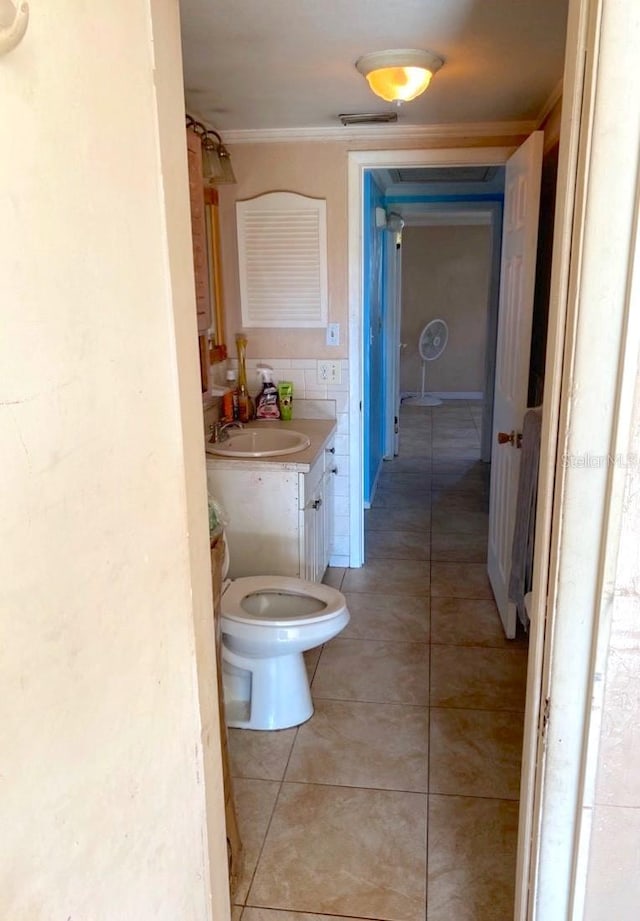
267, 405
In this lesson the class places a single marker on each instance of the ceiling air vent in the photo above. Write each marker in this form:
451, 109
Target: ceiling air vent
369, 119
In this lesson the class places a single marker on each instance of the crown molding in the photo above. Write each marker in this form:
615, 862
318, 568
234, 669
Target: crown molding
392, 132
552, 99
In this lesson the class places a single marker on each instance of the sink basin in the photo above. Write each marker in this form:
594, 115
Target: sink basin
259, 443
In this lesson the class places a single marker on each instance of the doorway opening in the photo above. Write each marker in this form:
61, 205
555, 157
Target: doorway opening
431, 253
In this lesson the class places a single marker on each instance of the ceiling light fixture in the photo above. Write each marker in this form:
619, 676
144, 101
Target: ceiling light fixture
399, 75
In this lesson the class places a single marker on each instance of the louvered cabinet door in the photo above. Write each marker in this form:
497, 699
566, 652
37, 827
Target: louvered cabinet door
282, 257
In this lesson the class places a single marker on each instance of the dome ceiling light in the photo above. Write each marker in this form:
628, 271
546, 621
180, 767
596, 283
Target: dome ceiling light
399, 75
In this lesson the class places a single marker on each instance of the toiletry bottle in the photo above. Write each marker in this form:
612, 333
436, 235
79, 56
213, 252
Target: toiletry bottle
267, 406
285, 395
230, 398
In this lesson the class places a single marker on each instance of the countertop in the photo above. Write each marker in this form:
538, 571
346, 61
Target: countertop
319, 431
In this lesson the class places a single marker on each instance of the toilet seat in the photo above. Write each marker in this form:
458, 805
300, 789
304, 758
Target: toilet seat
319, 602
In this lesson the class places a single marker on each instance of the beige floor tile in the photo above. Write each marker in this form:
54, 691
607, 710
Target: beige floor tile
404, 577
397, 545
468, 622
374, 671
461, 452
459, 522
399, 519
402, 498
473, 678
384, 746
260, 755
311, 659
472, 859
462, 489
414, 436
459, 467
455, 502
448, 439
460, 580
451, 415
475, 752
345, 851
395, 618
416, 482
452, 548
236, 912
470, 477
415, 444
453, 433
333, 576
273, 914
255, 800
412, 465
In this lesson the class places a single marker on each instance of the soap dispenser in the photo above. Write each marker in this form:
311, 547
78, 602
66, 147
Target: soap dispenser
267, 405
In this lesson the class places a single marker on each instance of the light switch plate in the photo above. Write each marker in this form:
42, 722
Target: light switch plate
333, 334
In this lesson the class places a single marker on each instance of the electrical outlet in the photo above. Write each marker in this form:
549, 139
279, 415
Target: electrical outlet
328, 372
333, 334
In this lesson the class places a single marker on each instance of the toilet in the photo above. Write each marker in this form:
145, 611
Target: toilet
267, 622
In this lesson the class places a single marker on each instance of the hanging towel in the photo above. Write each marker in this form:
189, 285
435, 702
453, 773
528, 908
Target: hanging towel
525, 523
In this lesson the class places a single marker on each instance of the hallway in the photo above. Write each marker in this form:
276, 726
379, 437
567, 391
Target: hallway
398, 800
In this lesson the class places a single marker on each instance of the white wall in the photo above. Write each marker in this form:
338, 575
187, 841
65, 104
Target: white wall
104, 579
445, 273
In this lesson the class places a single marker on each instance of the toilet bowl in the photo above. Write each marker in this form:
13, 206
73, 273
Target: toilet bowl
267, 622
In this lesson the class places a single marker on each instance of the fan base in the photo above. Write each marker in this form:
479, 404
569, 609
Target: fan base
424, 400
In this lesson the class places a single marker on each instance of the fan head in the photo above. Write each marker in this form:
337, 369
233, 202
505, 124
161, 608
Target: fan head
433, 340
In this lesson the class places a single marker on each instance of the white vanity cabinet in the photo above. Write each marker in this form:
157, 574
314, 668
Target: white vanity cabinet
279, 514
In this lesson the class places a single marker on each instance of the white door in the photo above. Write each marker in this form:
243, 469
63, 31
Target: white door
392, 346
517, 282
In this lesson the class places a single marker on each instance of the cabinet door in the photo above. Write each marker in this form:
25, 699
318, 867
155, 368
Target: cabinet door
310, 543
262, 508
199, 231
330, 473
313, 523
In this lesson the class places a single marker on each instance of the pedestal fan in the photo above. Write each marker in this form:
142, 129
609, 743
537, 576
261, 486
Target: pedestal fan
431, 344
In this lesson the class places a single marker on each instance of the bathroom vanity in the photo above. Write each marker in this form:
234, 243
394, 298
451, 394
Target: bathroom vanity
279, 507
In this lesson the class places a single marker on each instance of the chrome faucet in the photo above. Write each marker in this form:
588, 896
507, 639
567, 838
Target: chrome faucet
218, 431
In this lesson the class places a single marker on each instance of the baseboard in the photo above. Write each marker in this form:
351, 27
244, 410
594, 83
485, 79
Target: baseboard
339, 560
446, 394
369, 503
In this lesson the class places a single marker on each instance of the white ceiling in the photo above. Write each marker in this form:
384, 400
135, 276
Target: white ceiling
269, 64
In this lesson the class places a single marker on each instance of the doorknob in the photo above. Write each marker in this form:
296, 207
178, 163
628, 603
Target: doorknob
513, 438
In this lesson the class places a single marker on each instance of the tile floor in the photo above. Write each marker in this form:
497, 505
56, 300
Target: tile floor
398, 800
